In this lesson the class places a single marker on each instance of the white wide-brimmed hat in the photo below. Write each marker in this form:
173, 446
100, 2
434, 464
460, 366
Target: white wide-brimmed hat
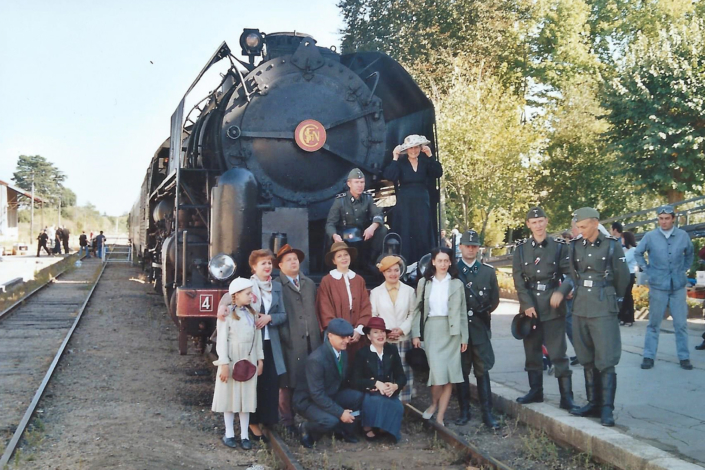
239, 284
414, 140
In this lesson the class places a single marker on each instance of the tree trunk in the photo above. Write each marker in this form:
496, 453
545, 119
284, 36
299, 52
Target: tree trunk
674, 195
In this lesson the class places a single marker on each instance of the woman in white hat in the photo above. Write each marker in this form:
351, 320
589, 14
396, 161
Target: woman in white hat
412, 215
238, 339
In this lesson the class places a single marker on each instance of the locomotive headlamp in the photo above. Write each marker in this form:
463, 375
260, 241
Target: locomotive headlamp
222, 267
252, 42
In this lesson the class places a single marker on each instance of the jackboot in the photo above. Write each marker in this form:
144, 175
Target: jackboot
565, 386
593, 390
535, 394
609, 389
484, 394
463, 392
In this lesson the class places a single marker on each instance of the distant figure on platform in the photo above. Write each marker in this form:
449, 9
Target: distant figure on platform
355, 219
411, 176
42, 240
445, 241
670, 256
65, 239
83, 244
57, 242
617, 231
600, 275
321, 396
100, 244
626, 312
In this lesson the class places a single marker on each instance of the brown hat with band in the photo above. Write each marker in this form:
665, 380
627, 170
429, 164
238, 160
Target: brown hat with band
389, 261
337, 246
286, 249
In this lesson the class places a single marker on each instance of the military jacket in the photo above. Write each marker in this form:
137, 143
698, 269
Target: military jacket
600, 279
348, 212
481, 298
538, 269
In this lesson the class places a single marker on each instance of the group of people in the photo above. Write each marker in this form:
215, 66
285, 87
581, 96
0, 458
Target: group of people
583, 287
56, 237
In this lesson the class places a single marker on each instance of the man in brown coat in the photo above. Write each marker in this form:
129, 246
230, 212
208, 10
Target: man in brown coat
301, 333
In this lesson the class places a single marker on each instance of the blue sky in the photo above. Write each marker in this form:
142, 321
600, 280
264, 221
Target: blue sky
91, 85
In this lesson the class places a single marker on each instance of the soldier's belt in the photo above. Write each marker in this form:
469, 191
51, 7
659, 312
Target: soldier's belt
591, 283
542, 286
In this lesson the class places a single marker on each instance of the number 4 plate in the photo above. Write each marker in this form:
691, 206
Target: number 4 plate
206, 303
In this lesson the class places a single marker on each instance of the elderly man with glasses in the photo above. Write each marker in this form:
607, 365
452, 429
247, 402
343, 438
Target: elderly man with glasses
670, 256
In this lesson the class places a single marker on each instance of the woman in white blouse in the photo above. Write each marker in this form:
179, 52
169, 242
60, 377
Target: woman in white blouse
394, 302
441, 310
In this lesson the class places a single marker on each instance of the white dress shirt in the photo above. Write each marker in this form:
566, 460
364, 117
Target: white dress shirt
438, 300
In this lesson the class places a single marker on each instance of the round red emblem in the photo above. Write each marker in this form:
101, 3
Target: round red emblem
310, 135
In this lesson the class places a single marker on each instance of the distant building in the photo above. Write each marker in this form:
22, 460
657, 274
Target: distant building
9, 202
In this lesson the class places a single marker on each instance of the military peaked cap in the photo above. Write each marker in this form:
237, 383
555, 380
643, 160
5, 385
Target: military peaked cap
356, 173
535, 213
470, 238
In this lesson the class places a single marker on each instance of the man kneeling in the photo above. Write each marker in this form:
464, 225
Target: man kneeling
321, 398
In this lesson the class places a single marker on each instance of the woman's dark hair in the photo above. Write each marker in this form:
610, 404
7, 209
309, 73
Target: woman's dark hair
629, 239
431, 270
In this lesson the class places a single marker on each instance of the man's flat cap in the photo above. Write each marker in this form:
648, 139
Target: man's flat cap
586, 213
340, 327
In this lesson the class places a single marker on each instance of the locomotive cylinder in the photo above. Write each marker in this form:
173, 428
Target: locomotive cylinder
235, 219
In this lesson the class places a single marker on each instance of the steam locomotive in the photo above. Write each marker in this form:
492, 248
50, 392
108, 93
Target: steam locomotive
261, 159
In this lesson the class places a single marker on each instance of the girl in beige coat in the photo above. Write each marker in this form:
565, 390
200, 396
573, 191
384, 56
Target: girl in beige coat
238, 339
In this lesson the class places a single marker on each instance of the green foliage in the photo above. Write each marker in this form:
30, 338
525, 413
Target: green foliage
489, 154
48, 180
658, 113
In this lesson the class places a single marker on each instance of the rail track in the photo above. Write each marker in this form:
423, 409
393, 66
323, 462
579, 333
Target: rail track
471, 454
34, 333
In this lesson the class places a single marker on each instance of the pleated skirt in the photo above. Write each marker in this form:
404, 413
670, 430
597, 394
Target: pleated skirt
443, 352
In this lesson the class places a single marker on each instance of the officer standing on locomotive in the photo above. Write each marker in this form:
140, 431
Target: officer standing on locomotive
601, 276
482, 298
355, 218
538, 267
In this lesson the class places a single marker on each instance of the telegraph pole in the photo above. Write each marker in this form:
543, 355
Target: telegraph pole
31, 220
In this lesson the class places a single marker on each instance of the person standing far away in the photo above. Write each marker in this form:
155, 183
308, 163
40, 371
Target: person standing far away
100, 244
601, 276
538, 267
670, 256
42, 243
83, 244
617, 231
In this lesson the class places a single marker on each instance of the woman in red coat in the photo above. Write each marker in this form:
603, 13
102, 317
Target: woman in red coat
343, 294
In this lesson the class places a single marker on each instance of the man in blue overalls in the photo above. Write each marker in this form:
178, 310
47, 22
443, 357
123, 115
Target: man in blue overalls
670, 256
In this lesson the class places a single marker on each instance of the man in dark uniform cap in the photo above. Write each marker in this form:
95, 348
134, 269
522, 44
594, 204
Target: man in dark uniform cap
355, 219
601, 276
482, 298
321, 397
538, 267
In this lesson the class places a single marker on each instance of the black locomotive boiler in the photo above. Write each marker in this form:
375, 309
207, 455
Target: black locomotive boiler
262, 157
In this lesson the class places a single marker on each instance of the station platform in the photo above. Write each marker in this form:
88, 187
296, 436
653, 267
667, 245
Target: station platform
660, 413
12, 267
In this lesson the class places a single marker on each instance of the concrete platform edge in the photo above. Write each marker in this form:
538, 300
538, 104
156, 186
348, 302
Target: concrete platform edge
607, 445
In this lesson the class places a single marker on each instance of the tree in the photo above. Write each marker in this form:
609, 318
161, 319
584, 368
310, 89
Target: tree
657, 112
488, 153
48, 180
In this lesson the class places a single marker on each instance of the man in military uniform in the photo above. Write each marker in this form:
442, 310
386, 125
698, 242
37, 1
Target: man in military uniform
482, 298
355, 219
601, 276
538, 267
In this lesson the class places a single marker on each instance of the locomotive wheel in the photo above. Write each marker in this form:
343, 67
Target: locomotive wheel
170, 297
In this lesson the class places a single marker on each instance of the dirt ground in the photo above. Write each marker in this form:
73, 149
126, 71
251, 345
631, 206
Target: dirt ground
125, 398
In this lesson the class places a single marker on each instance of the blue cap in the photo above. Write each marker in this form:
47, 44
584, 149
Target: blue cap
667, 209
340, 327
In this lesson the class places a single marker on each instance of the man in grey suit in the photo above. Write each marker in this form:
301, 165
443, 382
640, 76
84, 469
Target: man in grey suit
320, 396
300, 333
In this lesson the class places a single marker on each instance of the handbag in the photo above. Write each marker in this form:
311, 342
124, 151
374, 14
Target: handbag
244, 370
416, 357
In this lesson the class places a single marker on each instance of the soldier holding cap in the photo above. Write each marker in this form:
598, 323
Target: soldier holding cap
538, 267
601, 276
481, 298
670, 256
355, 219
321, 397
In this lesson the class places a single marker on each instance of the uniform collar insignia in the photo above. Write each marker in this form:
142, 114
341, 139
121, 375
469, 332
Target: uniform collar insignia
543, 244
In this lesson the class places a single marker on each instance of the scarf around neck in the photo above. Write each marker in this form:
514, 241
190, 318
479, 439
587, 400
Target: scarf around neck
261, 289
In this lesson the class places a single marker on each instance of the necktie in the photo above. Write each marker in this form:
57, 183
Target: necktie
296, 283
339, 363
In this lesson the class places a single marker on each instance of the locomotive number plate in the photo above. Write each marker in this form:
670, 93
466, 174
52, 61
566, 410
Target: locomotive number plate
206, 303
310, 135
